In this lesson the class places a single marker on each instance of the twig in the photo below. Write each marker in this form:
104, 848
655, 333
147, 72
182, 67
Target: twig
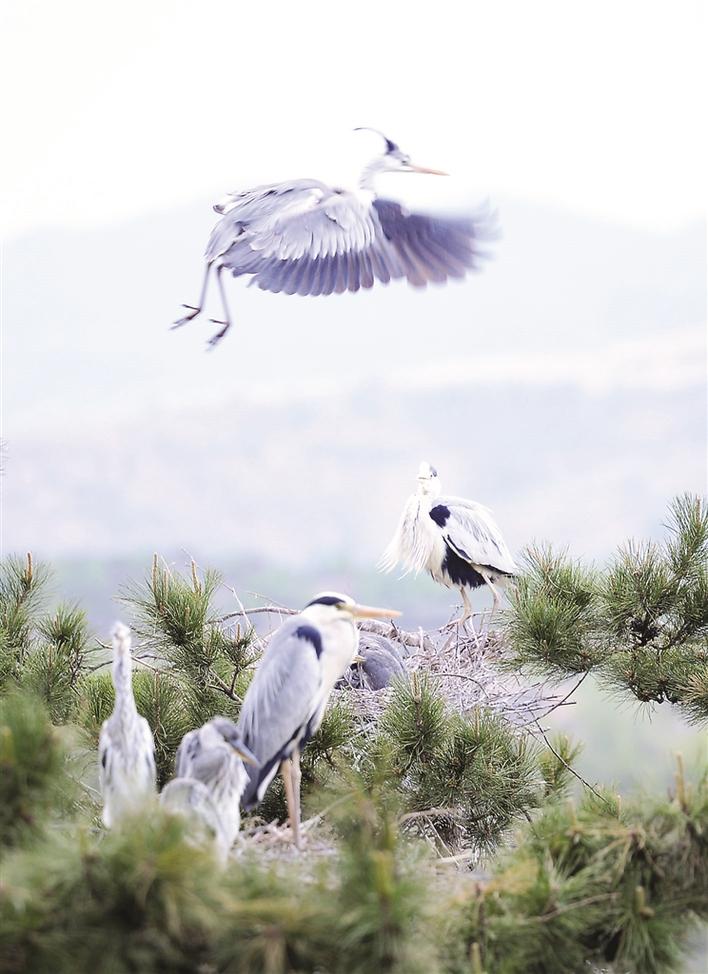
426, 813
568, 766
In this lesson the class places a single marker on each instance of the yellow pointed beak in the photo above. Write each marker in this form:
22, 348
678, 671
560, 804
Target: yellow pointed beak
371, 612
246, 755
430, 172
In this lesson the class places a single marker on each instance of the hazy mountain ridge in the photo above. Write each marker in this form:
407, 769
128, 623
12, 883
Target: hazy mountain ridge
563, 386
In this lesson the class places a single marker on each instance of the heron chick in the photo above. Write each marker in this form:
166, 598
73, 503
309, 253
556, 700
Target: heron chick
126, 748
457, 541
287, 697
209, 780
305, 237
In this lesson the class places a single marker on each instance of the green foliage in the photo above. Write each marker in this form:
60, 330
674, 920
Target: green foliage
158, 698
474, 774
555, 614
32, 779
22, 589
555, 766
416, 722
594, 885
53, 669
177, 620
642, 624
135, 899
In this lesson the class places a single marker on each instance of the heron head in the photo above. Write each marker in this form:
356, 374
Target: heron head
395, 160
428, 480
233, 736
330, 606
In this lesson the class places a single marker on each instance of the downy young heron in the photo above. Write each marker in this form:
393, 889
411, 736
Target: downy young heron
209, 780
286, 700
126, 749
305, 237
457, 541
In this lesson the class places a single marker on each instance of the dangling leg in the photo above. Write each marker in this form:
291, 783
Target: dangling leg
215, 339
286, 771
194, 311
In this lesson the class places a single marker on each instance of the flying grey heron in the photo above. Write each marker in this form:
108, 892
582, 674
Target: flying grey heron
209, 780
286, 700
126, 748
456, 540
305, 237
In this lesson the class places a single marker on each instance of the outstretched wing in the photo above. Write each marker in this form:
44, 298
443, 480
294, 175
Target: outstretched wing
307, 238
470, 531
281, 703
432, 248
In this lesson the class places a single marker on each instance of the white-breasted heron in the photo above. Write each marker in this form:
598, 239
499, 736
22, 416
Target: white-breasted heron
305, 237
126, 749
286, 700
457, 541
209, 780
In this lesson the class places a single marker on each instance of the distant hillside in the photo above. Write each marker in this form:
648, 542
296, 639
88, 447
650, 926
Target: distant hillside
312, 479
563, 386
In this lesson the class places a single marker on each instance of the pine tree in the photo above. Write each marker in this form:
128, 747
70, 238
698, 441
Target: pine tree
440, 841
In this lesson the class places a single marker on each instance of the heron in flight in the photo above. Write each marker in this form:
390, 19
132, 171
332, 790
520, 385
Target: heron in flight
126, 749
456, 540
305, 237
209, 780
286, 700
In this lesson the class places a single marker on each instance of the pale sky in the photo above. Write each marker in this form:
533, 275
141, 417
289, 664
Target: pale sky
118, 110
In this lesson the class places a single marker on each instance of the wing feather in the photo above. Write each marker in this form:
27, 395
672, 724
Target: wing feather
473, 534
307, 238
279, 704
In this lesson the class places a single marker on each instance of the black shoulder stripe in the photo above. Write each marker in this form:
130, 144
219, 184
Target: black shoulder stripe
312, 635
440, 514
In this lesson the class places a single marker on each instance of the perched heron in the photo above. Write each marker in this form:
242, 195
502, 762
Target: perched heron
209, 780
126, 748
377, 664
456, 540
305, 237
286, 700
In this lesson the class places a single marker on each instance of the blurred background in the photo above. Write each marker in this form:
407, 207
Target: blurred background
563, 386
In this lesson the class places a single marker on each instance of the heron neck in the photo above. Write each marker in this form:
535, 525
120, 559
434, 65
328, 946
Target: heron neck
123, 682
369, 174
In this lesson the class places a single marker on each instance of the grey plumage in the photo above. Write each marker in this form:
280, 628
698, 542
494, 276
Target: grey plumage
321, 240
126, 749
380, 663
456, 540
305, 237
284, 708
287, 697
209, 779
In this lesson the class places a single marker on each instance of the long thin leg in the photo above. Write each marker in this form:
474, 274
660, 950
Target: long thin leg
195, 310
286, 771
466, 610
215, 339
495, 595
296, 776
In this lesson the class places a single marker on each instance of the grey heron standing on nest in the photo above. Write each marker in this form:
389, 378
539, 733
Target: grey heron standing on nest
305, 237
286, 700
126, 748
209, 780
456, 540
